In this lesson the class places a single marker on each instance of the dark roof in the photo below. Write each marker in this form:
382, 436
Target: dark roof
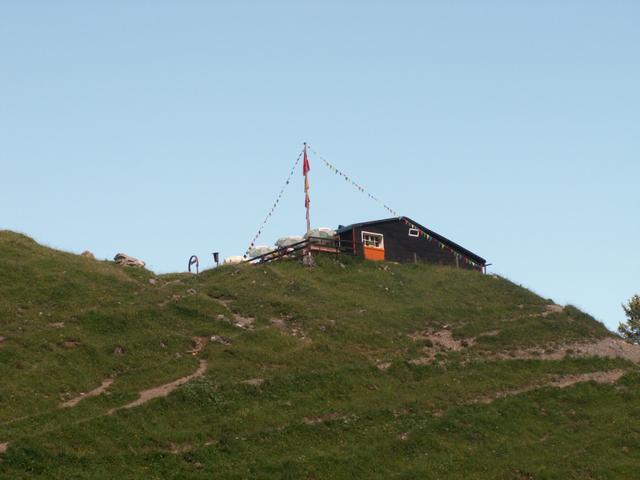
435, 235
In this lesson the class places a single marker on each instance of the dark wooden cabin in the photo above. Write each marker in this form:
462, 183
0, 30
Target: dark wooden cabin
403, 240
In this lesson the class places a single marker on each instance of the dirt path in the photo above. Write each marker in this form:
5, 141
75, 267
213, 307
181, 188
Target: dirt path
199, 343
609, 347
562, 381
93, 393
609, 377
163, 390
145, 395
443, 341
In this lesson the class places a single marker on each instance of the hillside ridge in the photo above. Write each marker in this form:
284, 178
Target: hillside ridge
279, 371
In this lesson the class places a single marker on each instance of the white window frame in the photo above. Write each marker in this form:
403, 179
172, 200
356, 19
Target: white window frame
364, 244
412, 234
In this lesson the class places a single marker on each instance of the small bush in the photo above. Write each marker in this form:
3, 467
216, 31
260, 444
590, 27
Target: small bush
631, 328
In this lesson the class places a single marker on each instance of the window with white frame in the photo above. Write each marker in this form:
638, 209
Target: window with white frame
414, 232
375, 240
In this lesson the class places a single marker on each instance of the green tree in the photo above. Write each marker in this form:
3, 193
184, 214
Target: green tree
631, 328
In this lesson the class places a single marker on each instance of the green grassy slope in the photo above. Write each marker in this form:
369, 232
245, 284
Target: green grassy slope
345, 378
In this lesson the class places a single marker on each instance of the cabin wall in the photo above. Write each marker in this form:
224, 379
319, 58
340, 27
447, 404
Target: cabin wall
400, 247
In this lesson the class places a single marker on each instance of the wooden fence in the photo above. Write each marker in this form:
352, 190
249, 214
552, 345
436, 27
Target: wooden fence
333, 246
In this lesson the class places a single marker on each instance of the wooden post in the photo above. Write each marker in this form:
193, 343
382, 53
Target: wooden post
353, 241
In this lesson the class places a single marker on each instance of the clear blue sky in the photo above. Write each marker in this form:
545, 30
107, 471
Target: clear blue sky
165, 129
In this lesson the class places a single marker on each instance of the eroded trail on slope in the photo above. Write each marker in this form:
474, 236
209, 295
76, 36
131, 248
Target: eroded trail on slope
144, 396
199, 343
93, 393
162, 390
562, 381
607, 377
443, 341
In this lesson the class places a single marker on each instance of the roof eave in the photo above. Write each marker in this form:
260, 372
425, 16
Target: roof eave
436, 235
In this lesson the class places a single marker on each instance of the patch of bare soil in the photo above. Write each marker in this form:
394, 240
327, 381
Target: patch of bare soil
225, 302
549, 310
243, 322
106, 383
171, 299
254, 382
238, 320
491, 333
163, 390
2, 338
172, 282
438, 341
442, 339
221, 340
384, 366
3, 447
176, 449
176, 297
609, 347
562, 381
279, 323
289, 328
198, 345
422, 361
329, 417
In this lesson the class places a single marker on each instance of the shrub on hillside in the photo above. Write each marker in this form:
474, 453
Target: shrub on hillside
631, 328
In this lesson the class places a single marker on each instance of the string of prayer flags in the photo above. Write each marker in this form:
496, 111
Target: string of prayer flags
393, 212
347, 178
442, 245
274, 206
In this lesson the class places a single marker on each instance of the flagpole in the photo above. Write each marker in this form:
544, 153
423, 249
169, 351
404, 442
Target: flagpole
307, 201
307, 259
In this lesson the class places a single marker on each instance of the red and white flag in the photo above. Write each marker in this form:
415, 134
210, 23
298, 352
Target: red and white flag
305, 171
305, 164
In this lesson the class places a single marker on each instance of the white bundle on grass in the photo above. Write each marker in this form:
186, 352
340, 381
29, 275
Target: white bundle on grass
234, 260
285, 242
261, 250
322, 232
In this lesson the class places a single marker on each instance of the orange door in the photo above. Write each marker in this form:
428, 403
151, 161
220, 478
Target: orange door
374, 253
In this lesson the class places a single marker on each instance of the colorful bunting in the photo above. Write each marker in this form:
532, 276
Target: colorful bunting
275, 204
423, 234
306, 167
347, 178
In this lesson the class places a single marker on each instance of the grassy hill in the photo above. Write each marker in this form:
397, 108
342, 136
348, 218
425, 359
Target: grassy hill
348, 370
